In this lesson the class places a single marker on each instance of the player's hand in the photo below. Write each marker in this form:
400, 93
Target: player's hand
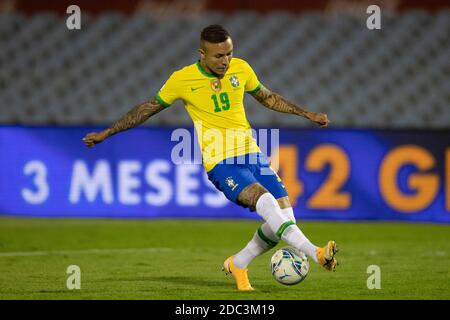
93, 138
320, 118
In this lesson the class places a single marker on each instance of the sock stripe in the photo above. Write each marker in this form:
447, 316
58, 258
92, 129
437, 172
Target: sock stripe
265, 239
284, 227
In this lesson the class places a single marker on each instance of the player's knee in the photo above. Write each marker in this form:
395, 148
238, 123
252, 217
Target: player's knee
251, 194
284, 202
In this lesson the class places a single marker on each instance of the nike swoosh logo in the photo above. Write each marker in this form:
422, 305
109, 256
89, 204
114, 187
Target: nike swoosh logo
193, 89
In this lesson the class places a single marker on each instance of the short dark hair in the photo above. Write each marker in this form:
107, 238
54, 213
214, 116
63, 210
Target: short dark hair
214, 33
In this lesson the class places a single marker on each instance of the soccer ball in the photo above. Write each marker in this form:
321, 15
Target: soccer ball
289, 266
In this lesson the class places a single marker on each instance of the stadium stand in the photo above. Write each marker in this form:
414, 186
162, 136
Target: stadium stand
396, 77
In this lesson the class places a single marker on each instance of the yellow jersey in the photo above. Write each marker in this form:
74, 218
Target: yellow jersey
216, 106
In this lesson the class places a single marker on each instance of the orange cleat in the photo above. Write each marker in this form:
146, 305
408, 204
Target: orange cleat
240, 275
326, 254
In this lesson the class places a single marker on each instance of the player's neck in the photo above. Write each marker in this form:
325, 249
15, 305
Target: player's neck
208, 70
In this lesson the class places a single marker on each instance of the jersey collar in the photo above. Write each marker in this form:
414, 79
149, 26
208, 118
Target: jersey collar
203, 71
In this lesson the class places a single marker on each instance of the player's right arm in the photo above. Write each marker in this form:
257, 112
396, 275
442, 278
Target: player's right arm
136, 116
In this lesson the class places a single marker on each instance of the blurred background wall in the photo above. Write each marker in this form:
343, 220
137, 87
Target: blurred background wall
317, 53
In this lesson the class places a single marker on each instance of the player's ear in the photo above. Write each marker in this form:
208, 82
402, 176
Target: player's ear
202, 53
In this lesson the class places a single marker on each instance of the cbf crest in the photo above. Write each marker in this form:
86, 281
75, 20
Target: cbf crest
230, 182
234, 81
216, 85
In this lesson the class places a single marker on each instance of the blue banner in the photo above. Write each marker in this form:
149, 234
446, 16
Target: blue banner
329, 174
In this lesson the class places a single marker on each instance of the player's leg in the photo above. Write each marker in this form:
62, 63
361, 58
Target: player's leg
239, 185
257, 197
279, 222
263, 239
268, 178
231, 180
299, 238
292, 235
322, 255
273, 183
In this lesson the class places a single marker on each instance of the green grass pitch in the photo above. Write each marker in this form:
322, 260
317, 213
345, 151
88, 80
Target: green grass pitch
181, 259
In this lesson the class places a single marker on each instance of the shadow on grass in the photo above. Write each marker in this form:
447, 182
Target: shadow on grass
219, 286
191, 281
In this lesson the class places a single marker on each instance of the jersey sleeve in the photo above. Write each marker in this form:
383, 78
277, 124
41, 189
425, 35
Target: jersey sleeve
168, 92
252, 85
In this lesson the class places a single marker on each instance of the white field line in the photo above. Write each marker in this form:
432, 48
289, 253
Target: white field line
87, 251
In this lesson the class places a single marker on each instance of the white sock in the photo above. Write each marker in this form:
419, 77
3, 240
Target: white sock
263, 240
295, 233
295, 237
269, 209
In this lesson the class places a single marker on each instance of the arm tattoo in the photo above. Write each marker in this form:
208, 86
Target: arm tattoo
276, 102
136, 116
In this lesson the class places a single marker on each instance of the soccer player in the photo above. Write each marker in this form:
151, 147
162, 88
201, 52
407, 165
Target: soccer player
212, 90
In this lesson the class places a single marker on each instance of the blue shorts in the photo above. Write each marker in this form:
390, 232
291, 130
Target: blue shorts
232, 175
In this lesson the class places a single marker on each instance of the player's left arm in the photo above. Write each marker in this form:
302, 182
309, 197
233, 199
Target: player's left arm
278, 103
